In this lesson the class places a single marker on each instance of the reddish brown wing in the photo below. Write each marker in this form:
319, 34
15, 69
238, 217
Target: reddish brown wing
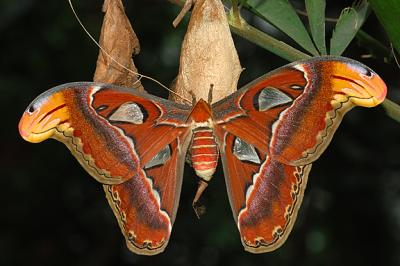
269, 133
146, 210
149, 123
265, 194
113, 132
292, 113
133, 143
241, 113
146, 204
272, 203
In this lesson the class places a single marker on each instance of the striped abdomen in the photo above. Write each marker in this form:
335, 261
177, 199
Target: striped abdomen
204, 152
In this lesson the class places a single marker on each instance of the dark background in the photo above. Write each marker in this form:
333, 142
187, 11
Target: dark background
54, 213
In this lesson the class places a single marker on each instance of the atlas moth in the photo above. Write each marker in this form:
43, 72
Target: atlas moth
267, 134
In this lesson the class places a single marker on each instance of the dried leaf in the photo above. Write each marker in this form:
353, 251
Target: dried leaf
119, 40
208, 55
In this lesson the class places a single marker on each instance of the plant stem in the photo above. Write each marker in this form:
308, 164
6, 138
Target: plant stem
243, 29
392, 109
235, 9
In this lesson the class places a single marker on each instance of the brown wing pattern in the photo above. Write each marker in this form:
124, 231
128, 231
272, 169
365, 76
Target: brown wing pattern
265, 194
146, 210
133, 143
270, 132
145, 205
293, 112
272, 205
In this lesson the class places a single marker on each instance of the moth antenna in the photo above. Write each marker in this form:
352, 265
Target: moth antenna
140, 76
194, 100
210, 93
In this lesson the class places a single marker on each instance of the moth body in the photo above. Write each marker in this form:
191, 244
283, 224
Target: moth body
204, 152
203, 148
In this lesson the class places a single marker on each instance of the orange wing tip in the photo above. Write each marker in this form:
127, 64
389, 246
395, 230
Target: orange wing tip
374, 94
377, 90
361, 85
42, 117
36, 132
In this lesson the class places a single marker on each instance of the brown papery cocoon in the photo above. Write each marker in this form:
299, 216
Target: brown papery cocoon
119, 40
208, 55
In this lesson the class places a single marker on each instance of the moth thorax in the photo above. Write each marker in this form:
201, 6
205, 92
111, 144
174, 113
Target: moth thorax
204, 152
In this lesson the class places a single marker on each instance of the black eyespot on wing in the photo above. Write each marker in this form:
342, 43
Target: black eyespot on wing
144, 112
255, 101
358, 67
368, 72
31, 109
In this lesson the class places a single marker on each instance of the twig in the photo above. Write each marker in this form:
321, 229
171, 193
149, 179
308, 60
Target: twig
186, 7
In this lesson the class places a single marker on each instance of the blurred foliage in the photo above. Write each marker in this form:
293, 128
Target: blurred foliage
281, 14
284, 17
55, 214
388, 13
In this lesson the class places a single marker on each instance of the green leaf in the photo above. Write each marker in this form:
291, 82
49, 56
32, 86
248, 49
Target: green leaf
243, 29
388, 13
316, 19
392, 109
350, 21
282, 15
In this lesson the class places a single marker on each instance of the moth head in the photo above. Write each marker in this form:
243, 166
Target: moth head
201, 111
42, 117
357, 83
